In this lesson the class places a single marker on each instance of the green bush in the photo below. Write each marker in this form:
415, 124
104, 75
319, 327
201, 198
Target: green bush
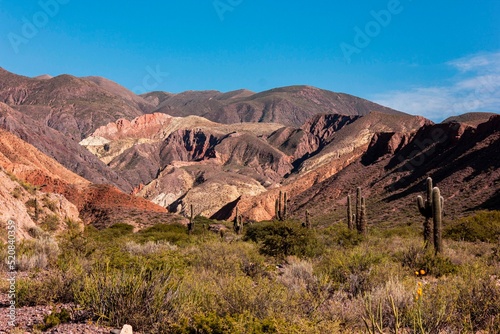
51, 205
17, 192
418, 259
281, 239
50, 223
340, 235
173, 233
141, 298
211, 323
53, 319
478, 305
482, 226
351, 270
53, 287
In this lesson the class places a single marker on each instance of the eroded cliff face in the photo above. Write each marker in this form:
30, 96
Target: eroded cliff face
462, 160
173, 165
37, 190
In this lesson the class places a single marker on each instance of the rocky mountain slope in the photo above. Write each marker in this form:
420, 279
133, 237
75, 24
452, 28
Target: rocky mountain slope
38, 192
463, 161
176, 166
111, 155
290, 106
58, 146
73, 106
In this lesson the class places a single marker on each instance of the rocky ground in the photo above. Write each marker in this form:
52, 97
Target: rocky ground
29, 316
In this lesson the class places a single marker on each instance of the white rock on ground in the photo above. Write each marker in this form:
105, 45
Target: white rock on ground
127, 329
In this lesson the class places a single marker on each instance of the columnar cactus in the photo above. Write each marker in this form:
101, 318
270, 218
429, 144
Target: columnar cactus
281, 206
350, 216
437, 214
238, 223
277, 209
362, 218
284, 206
308, 222
191, 221
425, 209
358, 209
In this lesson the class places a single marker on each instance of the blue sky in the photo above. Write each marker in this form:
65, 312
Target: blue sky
423, 57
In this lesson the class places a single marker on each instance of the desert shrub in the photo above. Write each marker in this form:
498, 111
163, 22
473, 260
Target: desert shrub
53, 319
53, 286
173, 233
31, 203
350, 270
109, 236
38, 253
281, 239
221, 257
482, 226
28, 187
149, 247
73, 226
17, 192
50, 223
143, 298
478, 305
51, 205
118, 230
387, 306
340, 235
210, 322
420, 258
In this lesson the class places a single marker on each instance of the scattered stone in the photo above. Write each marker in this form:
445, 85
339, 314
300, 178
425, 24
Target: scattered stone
127, 329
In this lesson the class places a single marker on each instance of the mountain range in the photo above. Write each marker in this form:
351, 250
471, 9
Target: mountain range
107, 155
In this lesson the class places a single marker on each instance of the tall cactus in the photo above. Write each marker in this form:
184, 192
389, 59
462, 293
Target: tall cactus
277, 209
308, 222
362, 218
238, 223
191, 221
281, 206
350, 216
426, 209
358, 209
437, 214
284, 206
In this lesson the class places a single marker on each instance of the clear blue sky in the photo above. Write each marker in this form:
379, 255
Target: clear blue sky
433, 58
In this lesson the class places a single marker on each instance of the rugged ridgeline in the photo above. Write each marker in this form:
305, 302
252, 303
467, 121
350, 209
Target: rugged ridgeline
290, 106
73, 106
217, 150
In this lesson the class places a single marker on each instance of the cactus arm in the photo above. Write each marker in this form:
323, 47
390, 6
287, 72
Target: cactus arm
421, 206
